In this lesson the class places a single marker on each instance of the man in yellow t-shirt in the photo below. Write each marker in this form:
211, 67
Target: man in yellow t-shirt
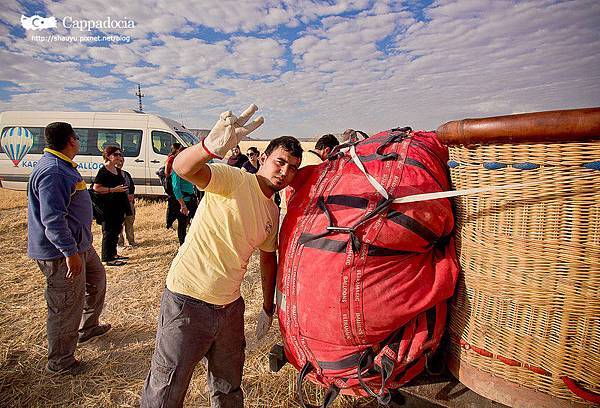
201, 311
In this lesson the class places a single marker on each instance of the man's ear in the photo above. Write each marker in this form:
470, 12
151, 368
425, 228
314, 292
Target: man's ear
262, 158
71, 142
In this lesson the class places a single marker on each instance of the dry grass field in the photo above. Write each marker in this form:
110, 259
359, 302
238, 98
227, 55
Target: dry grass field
121, 359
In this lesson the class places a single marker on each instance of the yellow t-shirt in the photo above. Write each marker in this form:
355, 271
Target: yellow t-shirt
232, 220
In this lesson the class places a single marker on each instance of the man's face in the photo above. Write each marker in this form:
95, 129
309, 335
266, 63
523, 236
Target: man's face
235, 151
279, 168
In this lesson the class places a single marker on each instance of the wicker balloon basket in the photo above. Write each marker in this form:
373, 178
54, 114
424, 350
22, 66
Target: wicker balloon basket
525, 320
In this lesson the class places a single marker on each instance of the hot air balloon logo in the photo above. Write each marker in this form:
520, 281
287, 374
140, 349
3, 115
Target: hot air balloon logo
16, 143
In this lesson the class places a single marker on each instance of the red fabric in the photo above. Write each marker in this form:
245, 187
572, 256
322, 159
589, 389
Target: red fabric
338, 304
169, 165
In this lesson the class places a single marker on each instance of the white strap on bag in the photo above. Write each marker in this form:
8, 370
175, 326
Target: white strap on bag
432, 196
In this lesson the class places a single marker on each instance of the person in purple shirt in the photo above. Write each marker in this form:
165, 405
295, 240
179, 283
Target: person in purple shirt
237, 158
60, 241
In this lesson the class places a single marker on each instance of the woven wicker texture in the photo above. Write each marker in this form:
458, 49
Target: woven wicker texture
529, 289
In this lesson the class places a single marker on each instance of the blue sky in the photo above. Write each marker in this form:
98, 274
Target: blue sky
312, 67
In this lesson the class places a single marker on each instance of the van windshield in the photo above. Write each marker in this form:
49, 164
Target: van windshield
188, 138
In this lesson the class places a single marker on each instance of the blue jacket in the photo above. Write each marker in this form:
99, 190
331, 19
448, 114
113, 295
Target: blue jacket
59, 209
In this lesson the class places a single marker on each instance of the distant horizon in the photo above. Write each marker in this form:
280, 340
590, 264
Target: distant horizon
311, 67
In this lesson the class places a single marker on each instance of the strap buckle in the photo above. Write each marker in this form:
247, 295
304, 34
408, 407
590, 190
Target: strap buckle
343, 230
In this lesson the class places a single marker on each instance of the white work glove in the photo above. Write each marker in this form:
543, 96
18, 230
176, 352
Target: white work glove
229, 130
263, 324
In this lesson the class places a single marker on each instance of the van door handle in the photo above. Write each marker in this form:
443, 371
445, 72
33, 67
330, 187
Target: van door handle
138, 161
154, 161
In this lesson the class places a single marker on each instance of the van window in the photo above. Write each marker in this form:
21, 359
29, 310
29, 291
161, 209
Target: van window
84, 140
162, 142
188, 138
129, 141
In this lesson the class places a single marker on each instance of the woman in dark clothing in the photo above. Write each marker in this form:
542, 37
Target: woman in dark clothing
252, 165
109, 182
237, 159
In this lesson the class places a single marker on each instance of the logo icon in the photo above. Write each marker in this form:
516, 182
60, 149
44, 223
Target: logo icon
269, 227
16, 143
38, 22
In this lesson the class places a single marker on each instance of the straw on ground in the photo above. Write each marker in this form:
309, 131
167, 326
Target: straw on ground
121, 359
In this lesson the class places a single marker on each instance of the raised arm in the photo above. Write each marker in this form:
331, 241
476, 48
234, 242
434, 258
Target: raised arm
190, 164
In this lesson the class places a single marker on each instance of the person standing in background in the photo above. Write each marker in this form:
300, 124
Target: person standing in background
252, 165
185, 194
325, 145
237, 159
59, 230
109, 182
172, 204
175, 149
129, 219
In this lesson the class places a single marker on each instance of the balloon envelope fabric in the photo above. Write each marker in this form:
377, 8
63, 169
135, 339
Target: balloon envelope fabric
363, 281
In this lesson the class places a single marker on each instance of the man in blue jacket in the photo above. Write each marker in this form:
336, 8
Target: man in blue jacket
60, 240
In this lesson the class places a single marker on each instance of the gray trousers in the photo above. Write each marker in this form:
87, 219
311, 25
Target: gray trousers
74, 305
129, 232
188, 331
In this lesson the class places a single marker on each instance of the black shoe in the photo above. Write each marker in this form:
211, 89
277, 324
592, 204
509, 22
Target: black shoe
96, 332
120, 258
78, 367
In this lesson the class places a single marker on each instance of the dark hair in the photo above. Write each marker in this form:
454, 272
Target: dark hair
108, 150
57, 135
327, 140
175, 148
254, 149
287, 143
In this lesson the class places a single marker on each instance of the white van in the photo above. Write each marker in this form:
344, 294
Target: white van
145, 139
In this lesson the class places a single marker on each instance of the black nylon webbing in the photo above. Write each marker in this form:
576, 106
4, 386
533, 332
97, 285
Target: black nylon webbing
415, 163
412, 225
348, 201
318, 242
350, 361
369, 157
379, 251
331, 245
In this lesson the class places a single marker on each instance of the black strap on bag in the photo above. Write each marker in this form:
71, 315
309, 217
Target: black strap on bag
97, 205
330, 395
366, 360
